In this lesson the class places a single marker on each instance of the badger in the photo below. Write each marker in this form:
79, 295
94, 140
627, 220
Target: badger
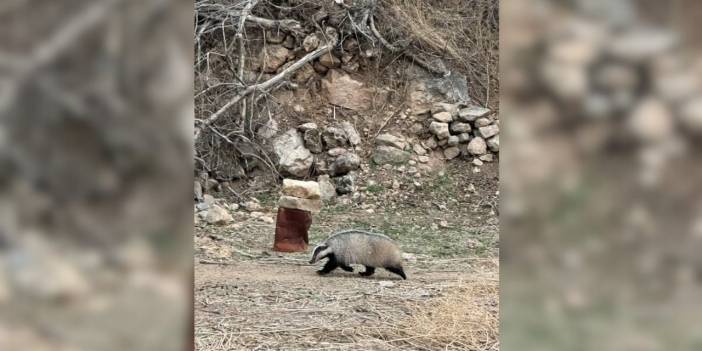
359, 247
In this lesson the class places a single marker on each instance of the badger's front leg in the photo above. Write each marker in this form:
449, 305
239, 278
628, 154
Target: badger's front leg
331, 265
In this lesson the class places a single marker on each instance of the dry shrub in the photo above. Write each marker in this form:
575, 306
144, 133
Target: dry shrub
464, 319
463, 32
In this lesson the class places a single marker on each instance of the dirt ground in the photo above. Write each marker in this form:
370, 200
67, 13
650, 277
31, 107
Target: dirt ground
250, 298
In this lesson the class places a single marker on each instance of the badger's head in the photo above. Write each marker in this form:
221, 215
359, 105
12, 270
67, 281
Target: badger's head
320, 251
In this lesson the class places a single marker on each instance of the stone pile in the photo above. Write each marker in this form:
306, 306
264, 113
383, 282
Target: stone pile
328, 153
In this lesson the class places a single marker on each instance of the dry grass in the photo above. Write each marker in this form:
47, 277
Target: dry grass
465, 319
463, 32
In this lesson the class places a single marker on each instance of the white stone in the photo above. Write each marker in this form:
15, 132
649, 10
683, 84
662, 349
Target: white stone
310, 205
301, 189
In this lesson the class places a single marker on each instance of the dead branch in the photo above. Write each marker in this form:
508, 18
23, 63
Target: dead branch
278, 78
289, 25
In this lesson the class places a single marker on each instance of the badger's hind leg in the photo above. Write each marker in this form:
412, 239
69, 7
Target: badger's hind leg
398, 271
346, 267
331, 265
369, 271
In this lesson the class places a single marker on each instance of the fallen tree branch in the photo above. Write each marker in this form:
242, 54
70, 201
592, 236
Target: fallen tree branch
413, 57
289, 25
265, 85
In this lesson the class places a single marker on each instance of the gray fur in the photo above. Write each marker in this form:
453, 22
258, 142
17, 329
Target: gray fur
361, 247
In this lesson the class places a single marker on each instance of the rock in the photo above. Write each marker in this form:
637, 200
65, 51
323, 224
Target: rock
313, 140
297, 108
201, 206
289, 42
417, 128
319, 68
477, 162
423, 159
211, 185
651, 121
320, 165
443, 142
489, 131
273, 57
430, 143
268, 130
303, 74
389, 155
209, 200
351, 67
293, 157
471, 113
486, 158
336, 152
310, 205
329, 60
345, 184
452, 140
459, 127
342, 90
327, 189
441, 130
463, 138
218, 216
395, 184
438, 107
391, 140
307, 126
444, 117
311, 42
494, 143
482, 122
345, 164
252, 206
418, 149
451, 152
301, 189
477, 146
275, 36
351, 133
198, 191
334, 137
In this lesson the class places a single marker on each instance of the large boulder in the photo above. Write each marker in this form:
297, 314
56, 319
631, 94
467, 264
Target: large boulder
389, 155
301, 189
342, 90
489, 131
293, 157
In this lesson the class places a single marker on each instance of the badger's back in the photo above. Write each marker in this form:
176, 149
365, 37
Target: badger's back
358, 247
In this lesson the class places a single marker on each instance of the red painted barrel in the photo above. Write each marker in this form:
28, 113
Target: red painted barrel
291, 229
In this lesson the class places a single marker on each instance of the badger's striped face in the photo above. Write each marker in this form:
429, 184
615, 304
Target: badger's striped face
319, 252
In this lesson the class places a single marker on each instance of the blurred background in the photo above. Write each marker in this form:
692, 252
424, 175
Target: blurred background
95, 139
602, 209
